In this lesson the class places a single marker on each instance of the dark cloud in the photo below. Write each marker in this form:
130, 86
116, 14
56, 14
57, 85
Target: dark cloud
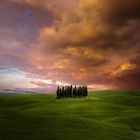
81, 42
121, 11
128, 80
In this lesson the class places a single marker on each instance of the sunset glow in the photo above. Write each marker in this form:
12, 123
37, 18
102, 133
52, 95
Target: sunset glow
47, 43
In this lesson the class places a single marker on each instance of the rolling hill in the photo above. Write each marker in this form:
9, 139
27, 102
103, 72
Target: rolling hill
104, 115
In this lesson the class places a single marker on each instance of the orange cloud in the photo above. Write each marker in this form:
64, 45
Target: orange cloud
122, 68
77, 41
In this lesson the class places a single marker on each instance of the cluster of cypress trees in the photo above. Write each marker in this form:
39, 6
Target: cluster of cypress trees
70, 91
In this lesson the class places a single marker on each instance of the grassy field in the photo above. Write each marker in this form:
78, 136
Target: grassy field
105, 115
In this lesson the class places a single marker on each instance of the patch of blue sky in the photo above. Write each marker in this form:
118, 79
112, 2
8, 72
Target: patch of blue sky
14, 78
27, 22
10, 70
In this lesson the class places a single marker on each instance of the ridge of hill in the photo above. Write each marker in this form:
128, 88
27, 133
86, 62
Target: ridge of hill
103, 115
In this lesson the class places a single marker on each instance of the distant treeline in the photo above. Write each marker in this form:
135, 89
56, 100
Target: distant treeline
70, 91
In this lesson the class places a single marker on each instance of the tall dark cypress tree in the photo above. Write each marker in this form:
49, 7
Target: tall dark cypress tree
57, 92
83, 91
86, 90
66, 91
63, 92
71, 91
60, 93
74, 91
78, 91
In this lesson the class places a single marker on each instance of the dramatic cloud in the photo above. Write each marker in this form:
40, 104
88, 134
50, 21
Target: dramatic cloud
93, 42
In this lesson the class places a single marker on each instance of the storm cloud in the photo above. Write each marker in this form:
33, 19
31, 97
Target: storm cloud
93, 42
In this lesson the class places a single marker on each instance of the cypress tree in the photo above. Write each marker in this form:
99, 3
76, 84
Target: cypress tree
78, 92
57, 92
71, 91
86, 90
75, 91
63, 92
60, 93
83, 91
66, 92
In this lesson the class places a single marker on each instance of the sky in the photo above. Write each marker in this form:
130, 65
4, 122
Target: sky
45, 43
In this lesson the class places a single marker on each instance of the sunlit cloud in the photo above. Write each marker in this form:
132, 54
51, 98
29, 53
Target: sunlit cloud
61, 42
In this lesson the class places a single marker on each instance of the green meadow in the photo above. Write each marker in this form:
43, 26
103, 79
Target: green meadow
104, 115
